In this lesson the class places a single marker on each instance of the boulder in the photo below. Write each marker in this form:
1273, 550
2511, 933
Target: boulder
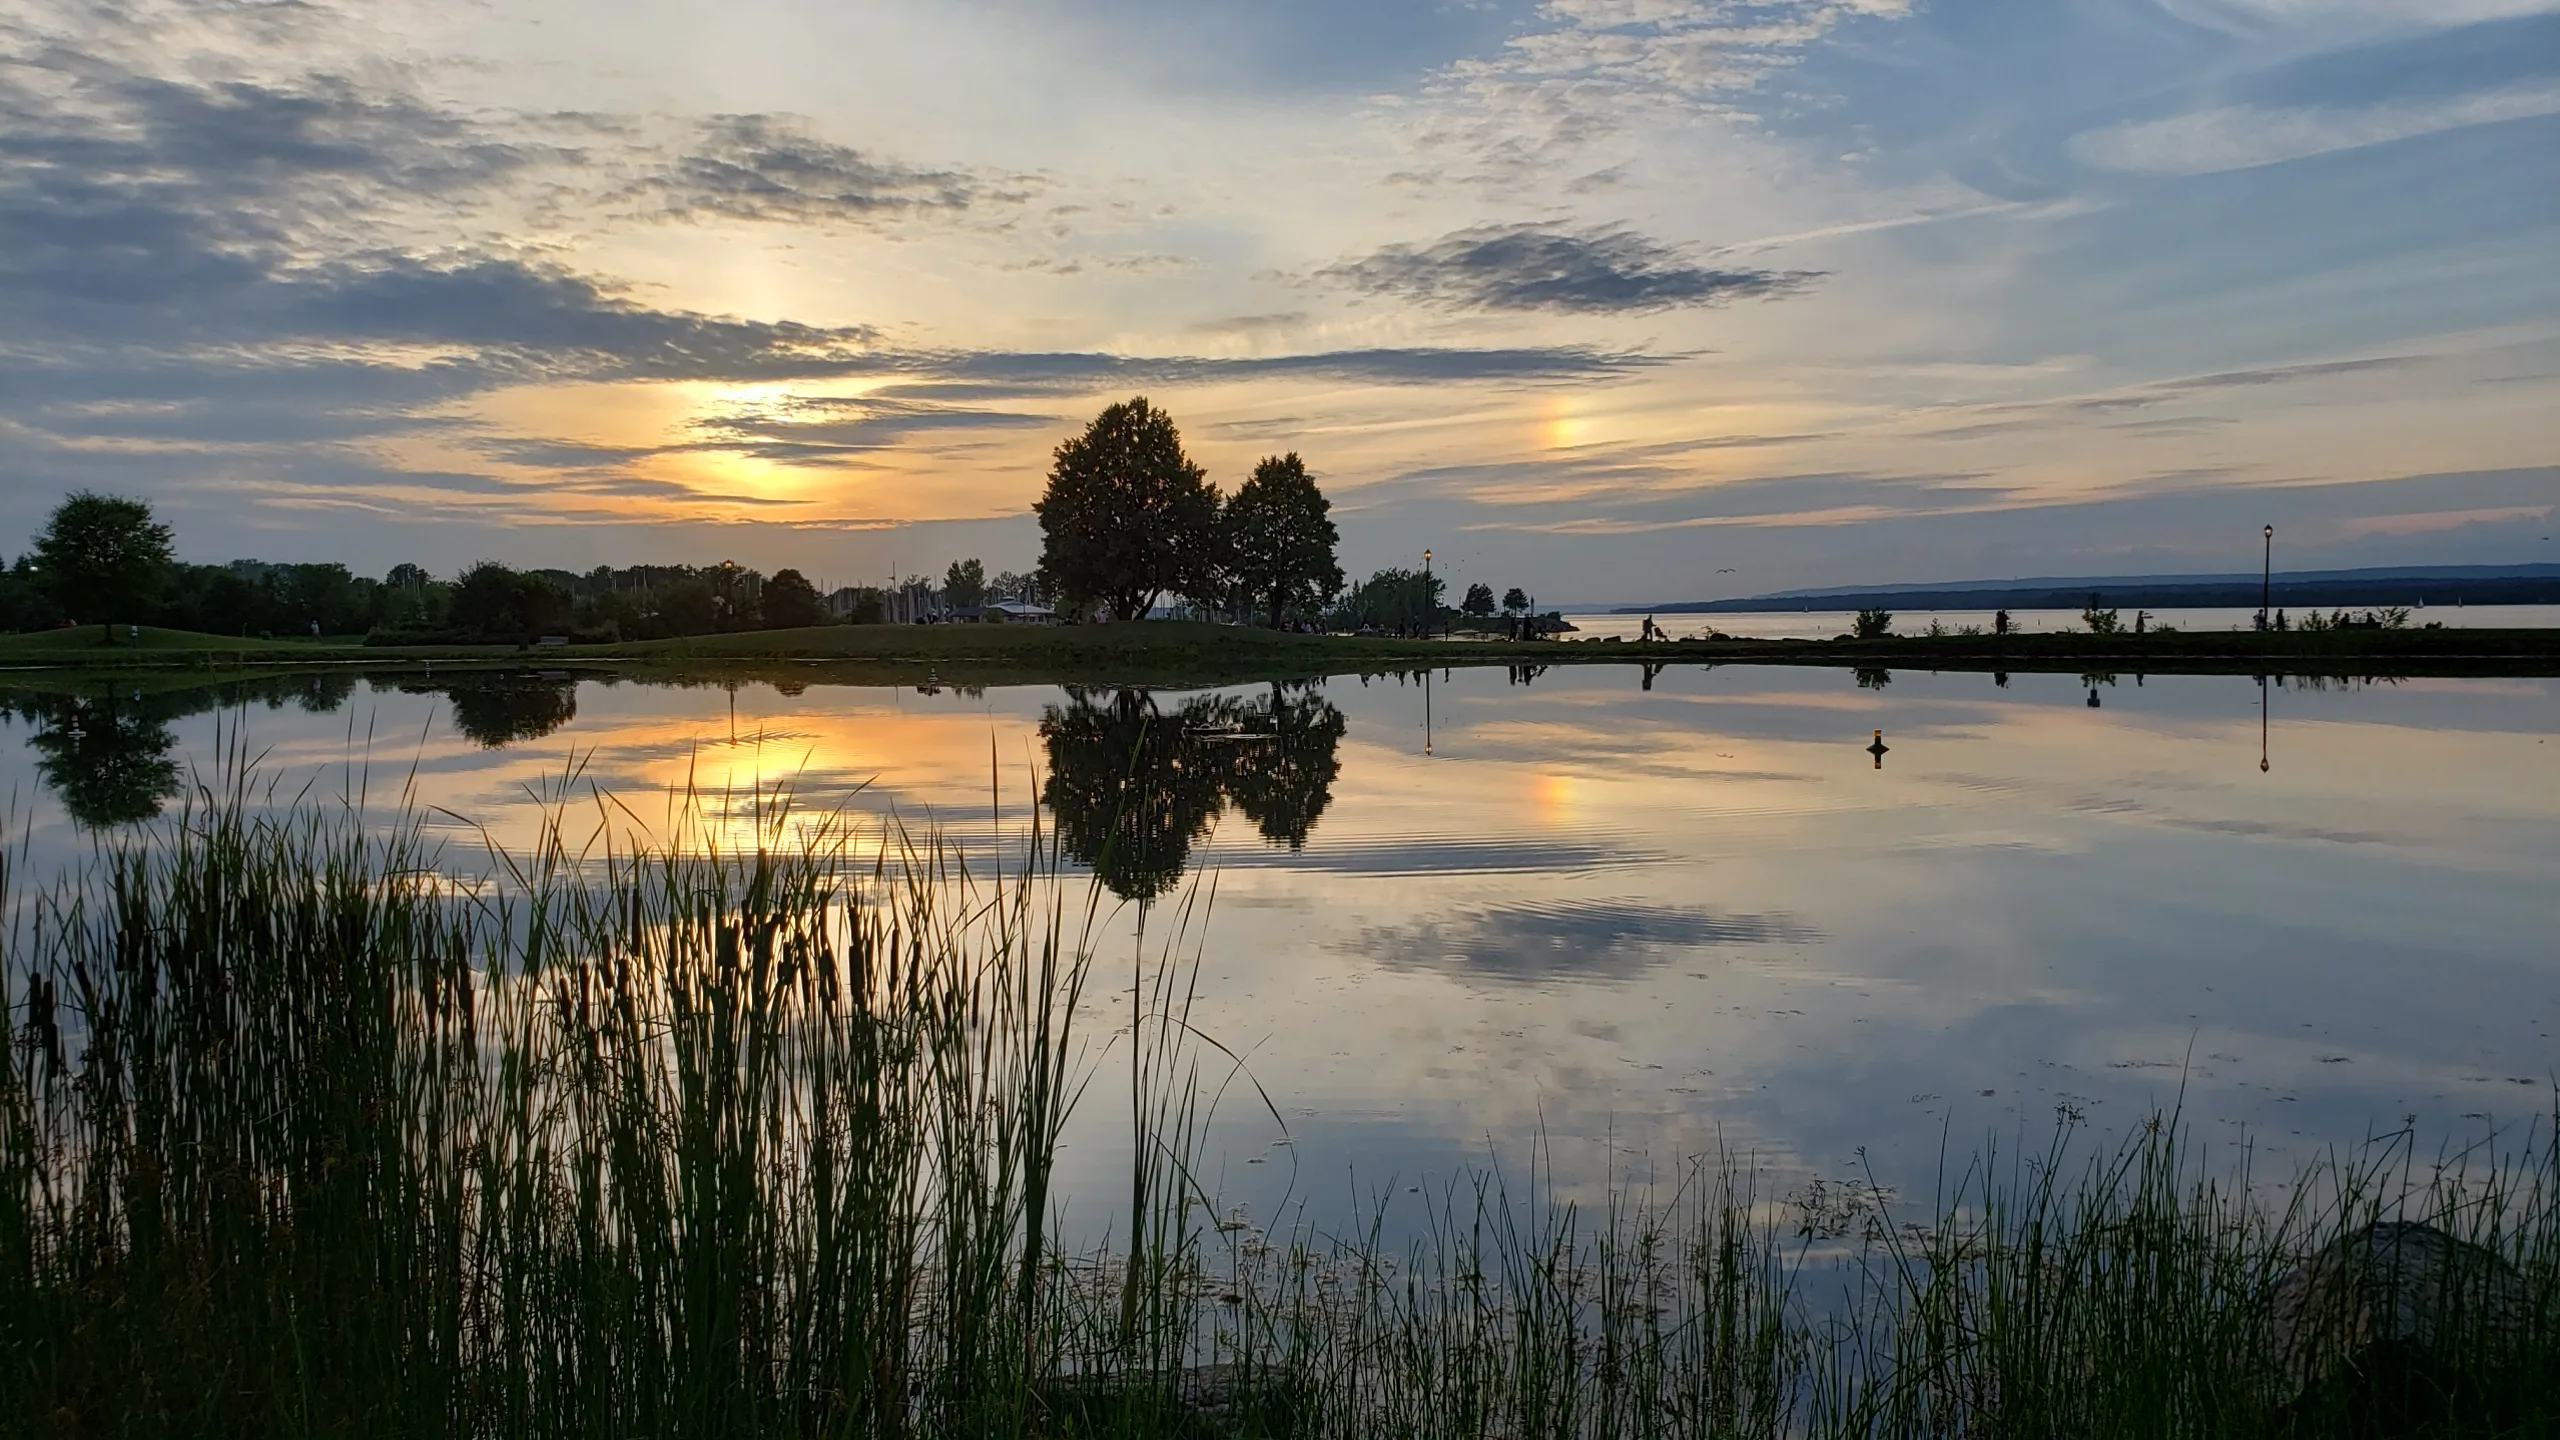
2395, 1316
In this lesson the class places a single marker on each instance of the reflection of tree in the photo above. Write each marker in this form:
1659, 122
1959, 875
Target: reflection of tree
316, 694
497, 710
1133, 787
1873, 679
1130, 789
107, 758
1284, 784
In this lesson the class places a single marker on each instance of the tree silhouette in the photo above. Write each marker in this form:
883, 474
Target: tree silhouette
1132, 788
790, 602
108, 758
1479, 601
102, 558
498, 710
688, 607
1129, 789
1280, 539
965, 583
1127, 517
1515, 601
1284, 784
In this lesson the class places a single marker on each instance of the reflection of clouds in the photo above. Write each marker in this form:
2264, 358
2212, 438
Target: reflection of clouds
1571, 938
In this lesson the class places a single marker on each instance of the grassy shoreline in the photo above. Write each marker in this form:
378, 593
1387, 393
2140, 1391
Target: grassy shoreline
300, 1137
1176, 652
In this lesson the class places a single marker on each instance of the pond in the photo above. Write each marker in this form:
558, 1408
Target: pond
1609, 915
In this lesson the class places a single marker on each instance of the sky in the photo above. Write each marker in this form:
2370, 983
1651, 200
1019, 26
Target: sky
1616, 300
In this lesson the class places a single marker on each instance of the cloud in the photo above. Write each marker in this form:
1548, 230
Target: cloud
1585, 71
2334, 17
834, 430
766, 168
1075, 370
1570, 938
2240, 137
1611, 270
2439, 521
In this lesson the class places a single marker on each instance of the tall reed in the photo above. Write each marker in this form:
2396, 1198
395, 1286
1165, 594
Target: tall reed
753, 1130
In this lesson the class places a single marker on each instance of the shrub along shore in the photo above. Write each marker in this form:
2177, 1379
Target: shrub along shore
753, 1130
1168, 651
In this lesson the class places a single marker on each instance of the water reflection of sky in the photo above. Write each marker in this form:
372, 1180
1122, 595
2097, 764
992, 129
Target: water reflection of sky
1671, 916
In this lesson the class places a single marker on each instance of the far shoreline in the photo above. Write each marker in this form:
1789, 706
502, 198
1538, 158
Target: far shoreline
1179, 652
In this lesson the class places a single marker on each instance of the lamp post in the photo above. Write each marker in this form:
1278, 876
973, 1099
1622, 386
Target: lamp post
1429, 600
2267, 580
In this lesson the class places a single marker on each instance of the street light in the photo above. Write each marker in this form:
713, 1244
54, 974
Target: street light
1431, 600
2267, 580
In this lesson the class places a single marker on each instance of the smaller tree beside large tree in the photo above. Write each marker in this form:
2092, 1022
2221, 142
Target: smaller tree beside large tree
1280, 540
1127, 517
103, 557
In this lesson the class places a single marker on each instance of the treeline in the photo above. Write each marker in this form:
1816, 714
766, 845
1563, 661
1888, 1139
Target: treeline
408, 605
1127, 522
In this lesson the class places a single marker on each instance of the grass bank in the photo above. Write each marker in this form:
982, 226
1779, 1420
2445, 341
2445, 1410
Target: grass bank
754, 1132
1173, 652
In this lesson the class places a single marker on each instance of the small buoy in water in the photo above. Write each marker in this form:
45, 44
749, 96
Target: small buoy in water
1877, 749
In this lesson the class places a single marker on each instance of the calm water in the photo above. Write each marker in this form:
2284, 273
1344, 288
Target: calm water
1455, 912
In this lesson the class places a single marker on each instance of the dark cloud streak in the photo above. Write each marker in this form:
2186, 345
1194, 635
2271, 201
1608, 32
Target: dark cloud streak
1607, 271
762, 167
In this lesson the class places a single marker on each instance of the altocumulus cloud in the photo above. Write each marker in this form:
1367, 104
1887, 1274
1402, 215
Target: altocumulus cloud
1611, 270
762, 167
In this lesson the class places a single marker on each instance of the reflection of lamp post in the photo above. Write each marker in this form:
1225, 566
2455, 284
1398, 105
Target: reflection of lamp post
2267, 579
2262, 724
1426, 708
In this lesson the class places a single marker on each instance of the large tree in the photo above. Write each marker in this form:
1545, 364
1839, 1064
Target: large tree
1127, 517
1280, 539
791, 602
965, 584
102, 557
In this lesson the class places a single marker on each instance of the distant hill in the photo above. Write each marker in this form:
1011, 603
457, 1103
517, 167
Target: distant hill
2395, 585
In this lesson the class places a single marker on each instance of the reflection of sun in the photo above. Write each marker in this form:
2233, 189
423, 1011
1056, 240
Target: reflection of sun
1553, 795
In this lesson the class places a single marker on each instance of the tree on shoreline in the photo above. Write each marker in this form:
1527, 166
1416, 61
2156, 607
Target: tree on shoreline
791, 602
1280, 541
1127, 517
102, 554
1392, 602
